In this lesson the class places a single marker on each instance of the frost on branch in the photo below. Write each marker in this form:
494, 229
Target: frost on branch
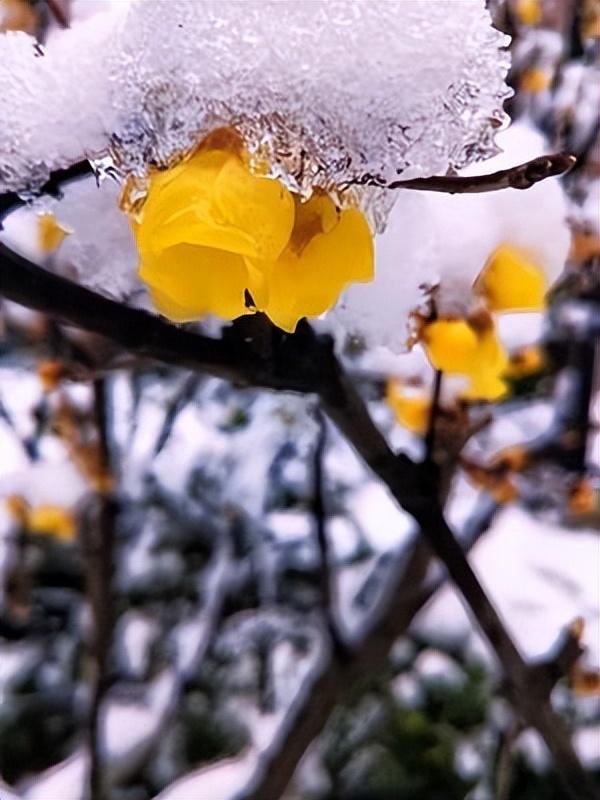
303, 82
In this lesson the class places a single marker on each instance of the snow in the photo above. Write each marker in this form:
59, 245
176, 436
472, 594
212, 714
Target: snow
225, 779
379, 312
99, 250
220, 781
45, 482
66, 780
384, 524
443, 241
587, 744
130, 730
149, 78
434, 666
7, 793
539, 576
135, 632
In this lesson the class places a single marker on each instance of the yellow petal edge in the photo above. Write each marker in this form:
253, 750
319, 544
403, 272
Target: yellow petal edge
215, 238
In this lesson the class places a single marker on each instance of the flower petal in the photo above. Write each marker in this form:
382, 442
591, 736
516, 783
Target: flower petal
260, 207
187, 282
451, 344
412, 408
307, 282
456, 347
512, 281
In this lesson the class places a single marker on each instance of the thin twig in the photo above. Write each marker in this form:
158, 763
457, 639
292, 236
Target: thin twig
97, 532
60, 12
182, 397
522, 176
9, 201
502, 780
433, 417
327, 586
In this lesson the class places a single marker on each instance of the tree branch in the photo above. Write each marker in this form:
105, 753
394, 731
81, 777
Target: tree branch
523, 176
53, 186
97, 536
147, 335
327, 579
306, 363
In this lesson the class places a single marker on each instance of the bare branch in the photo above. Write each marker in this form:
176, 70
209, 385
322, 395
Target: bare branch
97, 537
430, 436
11, 200
149, 336
60, 11
523, 176
328, 589
304, 362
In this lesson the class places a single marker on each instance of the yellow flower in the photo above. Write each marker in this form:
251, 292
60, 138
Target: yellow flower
50, 233
590, 20
411, 407
524, 362
460, 348
529, 12
216, 238
48, 519
512, 281
535, 80
52, 520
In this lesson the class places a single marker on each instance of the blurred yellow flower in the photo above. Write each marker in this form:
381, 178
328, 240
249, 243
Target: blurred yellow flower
48, 519
512, 281
535, 80
458, 347
50, 233
411, 406
525, 361
529, 12
52, 520
216, 238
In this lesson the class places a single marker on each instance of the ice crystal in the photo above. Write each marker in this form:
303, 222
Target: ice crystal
326, 92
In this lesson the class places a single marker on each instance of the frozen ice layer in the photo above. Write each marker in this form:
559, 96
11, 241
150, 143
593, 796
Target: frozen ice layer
327, 91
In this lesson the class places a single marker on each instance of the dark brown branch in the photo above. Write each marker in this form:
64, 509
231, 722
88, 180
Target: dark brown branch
53, 187
327, 585
523, 176
97, 535
147, 335
430, 435
60, 12
330, 688
304, 362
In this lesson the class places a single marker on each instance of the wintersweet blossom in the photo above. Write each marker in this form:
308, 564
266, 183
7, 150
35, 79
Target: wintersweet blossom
411, 406
214, 237
48, 519
511, 280
469, 348
502, 249
50, 234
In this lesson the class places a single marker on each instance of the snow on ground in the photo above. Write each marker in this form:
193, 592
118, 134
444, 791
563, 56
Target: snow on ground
540, 577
